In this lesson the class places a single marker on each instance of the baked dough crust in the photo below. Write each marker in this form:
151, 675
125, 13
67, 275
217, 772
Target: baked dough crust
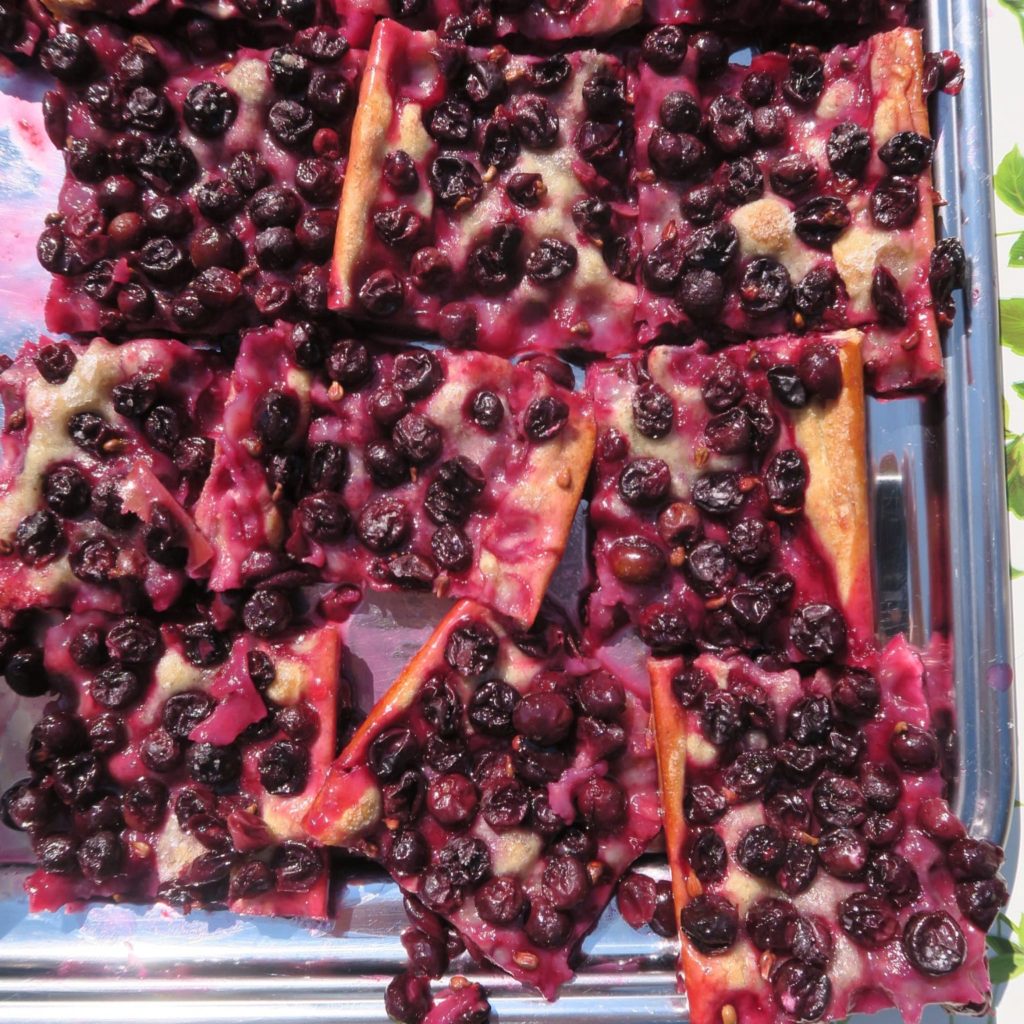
670, 747
832, 436
910, 357
897, 81
704, 979
367, 146
548, 492
350, 802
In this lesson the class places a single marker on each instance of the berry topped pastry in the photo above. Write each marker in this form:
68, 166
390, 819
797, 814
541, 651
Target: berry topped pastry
504, 781
411, 469
177, 763
484, 198
791, 193
105, 450
200, 195
818, 869
730, 502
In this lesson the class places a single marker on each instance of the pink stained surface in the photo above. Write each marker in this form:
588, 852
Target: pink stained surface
31, 171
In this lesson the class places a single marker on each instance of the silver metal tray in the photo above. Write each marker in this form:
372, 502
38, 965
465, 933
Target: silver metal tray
941, 557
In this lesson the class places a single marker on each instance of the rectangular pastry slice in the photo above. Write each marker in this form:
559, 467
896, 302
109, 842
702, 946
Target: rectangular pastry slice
504, 781
730, 502
484, 198
200, 195
792, 193
104, 452
178, 764
456, 472
818, 870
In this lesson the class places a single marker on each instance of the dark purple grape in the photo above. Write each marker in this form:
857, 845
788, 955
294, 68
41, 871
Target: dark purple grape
934, 943
868, 920
710, 923
761, 851
914, 749
802, 991
895, 203
980, 902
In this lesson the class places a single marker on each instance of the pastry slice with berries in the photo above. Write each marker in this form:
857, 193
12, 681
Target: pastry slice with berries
730, 503
177, 762
200, 194
504, 781
408, 468
793, 193
486, 197
105, 450
817, 867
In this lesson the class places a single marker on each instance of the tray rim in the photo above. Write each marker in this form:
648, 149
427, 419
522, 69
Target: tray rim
977, 519
977, 550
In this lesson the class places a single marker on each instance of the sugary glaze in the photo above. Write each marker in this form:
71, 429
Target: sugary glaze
457, 212
456, 472
792, 193
730, 500
194, 212
501, 776
817, 868
176, 764
104, 452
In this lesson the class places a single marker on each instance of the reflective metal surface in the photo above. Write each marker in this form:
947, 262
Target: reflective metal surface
941, 573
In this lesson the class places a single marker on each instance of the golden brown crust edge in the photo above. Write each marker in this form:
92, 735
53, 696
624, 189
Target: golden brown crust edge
558, 473
670, 748
368, 143
707, 980
897, 80
349, 802
897, 76
833, 439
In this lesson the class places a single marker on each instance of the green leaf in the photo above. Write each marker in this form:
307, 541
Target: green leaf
1018, 388
1016, 8
1009, 179
1001, 946
1017, 252
1015, 574
1015, 475
1011, 324
1004, 968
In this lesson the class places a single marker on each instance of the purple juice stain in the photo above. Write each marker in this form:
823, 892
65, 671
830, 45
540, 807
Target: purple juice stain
999, 677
